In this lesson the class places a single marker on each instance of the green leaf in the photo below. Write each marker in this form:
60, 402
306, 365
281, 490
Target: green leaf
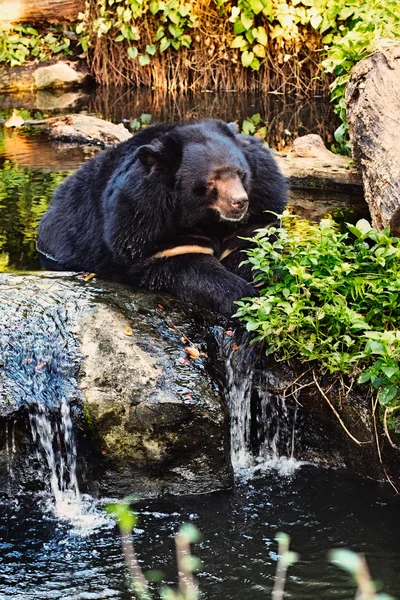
365, 376
259, 50
260, 35
247, 58
346, 559
174, 17
125, 518
160, 33
256, 6
390, 371
375, 347
186, 41
146, 118
239, 42
252, 325
164, 44
387, 394
255, 64
246, 20
132, 52
190, 533
151, 49
154, 7
144, 59
248, 127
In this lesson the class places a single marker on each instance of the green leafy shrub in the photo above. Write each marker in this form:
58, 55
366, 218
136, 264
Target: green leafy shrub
330, 297
21, 43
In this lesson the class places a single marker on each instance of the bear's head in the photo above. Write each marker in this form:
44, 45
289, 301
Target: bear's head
204, 164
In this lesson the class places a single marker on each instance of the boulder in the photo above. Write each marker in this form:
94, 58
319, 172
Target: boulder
149, 419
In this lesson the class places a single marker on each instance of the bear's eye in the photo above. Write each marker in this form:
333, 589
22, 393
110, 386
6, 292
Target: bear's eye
201, 187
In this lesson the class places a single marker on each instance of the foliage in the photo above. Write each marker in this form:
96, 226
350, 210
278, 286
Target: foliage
21, 43
254, 126
351, 31
357, 566
330, 297
188, 564
140, 123
256, 32
121, 20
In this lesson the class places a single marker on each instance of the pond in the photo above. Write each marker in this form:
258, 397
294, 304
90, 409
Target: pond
42, 557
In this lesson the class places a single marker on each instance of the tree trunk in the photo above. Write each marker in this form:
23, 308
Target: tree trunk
51, 11
373, 114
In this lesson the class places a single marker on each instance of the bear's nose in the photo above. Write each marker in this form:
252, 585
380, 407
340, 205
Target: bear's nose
239, 202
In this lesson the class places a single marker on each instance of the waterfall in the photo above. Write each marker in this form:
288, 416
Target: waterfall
54, 441
56, 453
262, 428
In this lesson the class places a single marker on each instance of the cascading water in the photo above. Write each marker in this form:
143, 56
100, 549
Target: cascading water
55, 447
262, 430
39, 358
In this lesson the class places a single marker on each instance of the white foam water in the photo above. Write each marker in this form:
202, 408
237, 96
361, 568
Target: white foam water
273, 443
53, 436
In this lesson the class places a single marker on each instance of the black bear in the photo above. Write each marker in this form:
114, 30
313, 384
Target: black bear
165, 210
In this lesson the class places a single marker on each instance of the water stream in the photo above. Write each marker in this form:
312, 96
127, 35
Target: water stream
55, 446
262, 431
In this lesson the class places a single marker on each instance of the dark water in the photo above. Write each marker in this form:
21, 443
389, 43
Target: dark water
44, 559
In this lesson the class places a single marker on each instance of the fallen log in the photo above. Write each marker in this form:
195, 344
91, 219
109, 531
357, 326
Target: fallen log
50, 11
373, 114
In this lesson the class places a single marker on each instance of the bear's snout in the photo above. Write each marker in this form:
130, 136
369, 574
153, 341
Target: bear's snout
240, 202
232, 199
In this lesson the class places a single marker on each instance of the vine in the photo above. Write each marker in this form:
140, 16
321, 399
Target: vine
275, 34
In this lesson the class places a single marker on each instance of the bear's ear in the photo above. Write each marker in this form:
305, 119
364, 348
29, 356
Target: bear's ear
163, 154
149, 155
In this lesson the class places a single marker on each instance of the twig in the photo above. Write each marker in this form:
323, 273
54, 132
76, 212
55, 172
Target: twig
139, 582
366, 589
187, 583
389, 410
337, 414
374, 406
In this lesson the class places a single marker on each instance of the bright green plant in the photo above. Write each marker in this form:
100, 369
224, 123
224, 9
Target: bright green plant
350, 28
124, 21
356, 565
331, 298
254, 125
21, 43
351, 31
140, 123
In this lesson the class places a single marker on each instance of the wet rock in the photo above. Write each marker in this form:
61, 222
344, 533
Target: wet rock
35, 76
296, 412
83, 129
310, 165
149, 421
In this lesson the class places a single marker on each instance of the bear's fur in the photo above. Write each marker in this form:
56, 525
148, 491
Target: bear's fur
164, 210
